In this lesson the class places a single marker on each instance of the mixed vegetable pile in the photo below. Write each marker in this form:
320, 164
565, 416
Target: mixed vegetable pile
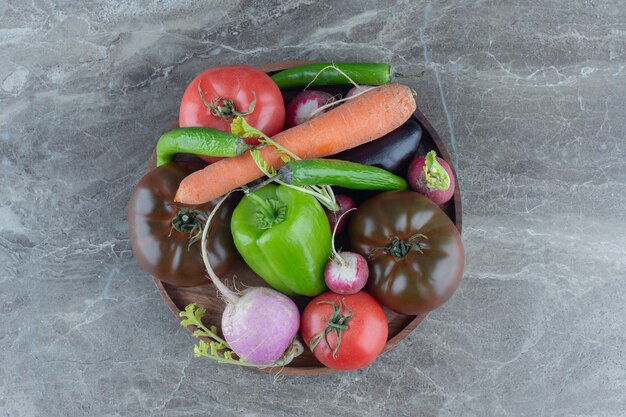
270, 195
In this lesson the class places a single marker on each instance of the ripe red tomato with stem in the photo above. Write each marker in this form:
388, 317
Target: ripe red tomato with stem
344, 332
218, 95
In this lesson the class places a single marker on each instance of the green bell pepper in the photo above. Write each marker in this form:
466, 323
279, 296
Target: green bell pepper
284, 236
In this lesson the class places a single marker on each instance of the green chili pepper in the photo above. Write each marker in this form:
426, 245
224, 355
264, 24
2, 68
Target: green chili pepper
199, 141
339, 173
360, 73
284, 236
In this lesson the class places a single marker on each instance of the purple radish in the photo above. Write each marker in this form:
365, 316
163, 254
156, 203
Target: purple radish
346, 204
259, 323
346, 272
431, 176
358, 90
305, 106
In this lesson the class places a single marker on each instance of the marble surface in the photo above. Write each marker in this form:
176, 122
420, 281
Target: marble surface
530, 98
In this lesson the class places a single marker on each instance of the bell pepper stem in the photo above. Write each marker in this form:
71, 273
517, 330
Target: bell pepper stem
270, 213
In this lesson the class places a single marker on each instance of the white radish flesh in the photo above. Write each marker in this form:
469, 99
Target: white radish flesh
346, 273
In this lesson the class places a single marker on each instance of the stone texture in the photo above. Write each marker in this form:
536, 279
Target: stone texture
529, 96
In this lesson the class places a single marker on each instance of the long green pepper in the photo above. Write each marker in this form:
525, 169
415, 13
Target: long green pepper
198, 141
339, 173
312, 74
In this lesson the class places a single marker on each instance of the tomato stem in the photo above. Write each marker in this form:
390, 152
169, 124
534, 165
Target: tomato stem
337, 323
224, 108
189, 222
399, 248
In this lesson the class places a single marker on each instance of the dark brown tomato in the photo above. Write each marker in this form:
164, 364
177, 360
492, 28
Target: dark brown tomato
165, 252
414, 251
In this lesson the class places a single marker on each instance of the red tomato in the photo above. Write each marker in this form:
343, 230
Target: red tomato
365, 331
235, 83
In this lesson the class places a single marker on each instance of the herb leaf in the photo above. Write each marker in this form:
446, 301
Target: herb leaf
217, 348
241, 128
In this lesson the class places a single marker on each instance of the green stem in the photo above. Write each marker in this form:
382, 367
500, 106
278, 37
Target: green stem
326, 201
437, 177
240, 127
271, 211
217, 348
263, 205
224, 108
210, 333
399, 248
337, 323
188, 222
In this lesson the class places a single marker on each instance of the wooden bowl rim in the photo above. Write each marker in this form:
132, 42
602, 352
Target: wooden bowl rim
417, 320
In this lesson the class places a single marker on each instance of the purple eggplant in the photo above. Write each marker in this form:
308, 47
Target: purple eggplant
393, 152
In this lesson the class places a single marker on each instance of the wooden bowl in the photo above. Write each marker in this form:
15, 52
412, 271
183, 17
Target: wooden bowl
400, 325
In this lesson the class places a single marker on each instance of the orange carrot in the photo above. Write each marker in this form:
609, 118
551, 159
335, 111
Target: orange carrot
363, 119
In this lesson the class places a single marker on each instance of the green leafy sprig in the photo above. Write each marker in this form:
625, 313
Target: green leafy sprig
217, 348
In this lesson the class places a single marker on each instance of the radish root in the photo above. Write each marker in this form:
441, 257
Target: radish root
336, 68
336, 254
226, 292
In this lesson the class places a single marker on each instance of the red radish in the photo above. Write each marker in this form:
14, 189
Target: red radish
431, 176
345, 204
346, 272
358, 90
259, 324
304, 107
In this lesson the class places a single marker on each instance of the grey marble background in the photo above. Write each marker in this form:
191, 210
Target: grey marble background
530, 98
